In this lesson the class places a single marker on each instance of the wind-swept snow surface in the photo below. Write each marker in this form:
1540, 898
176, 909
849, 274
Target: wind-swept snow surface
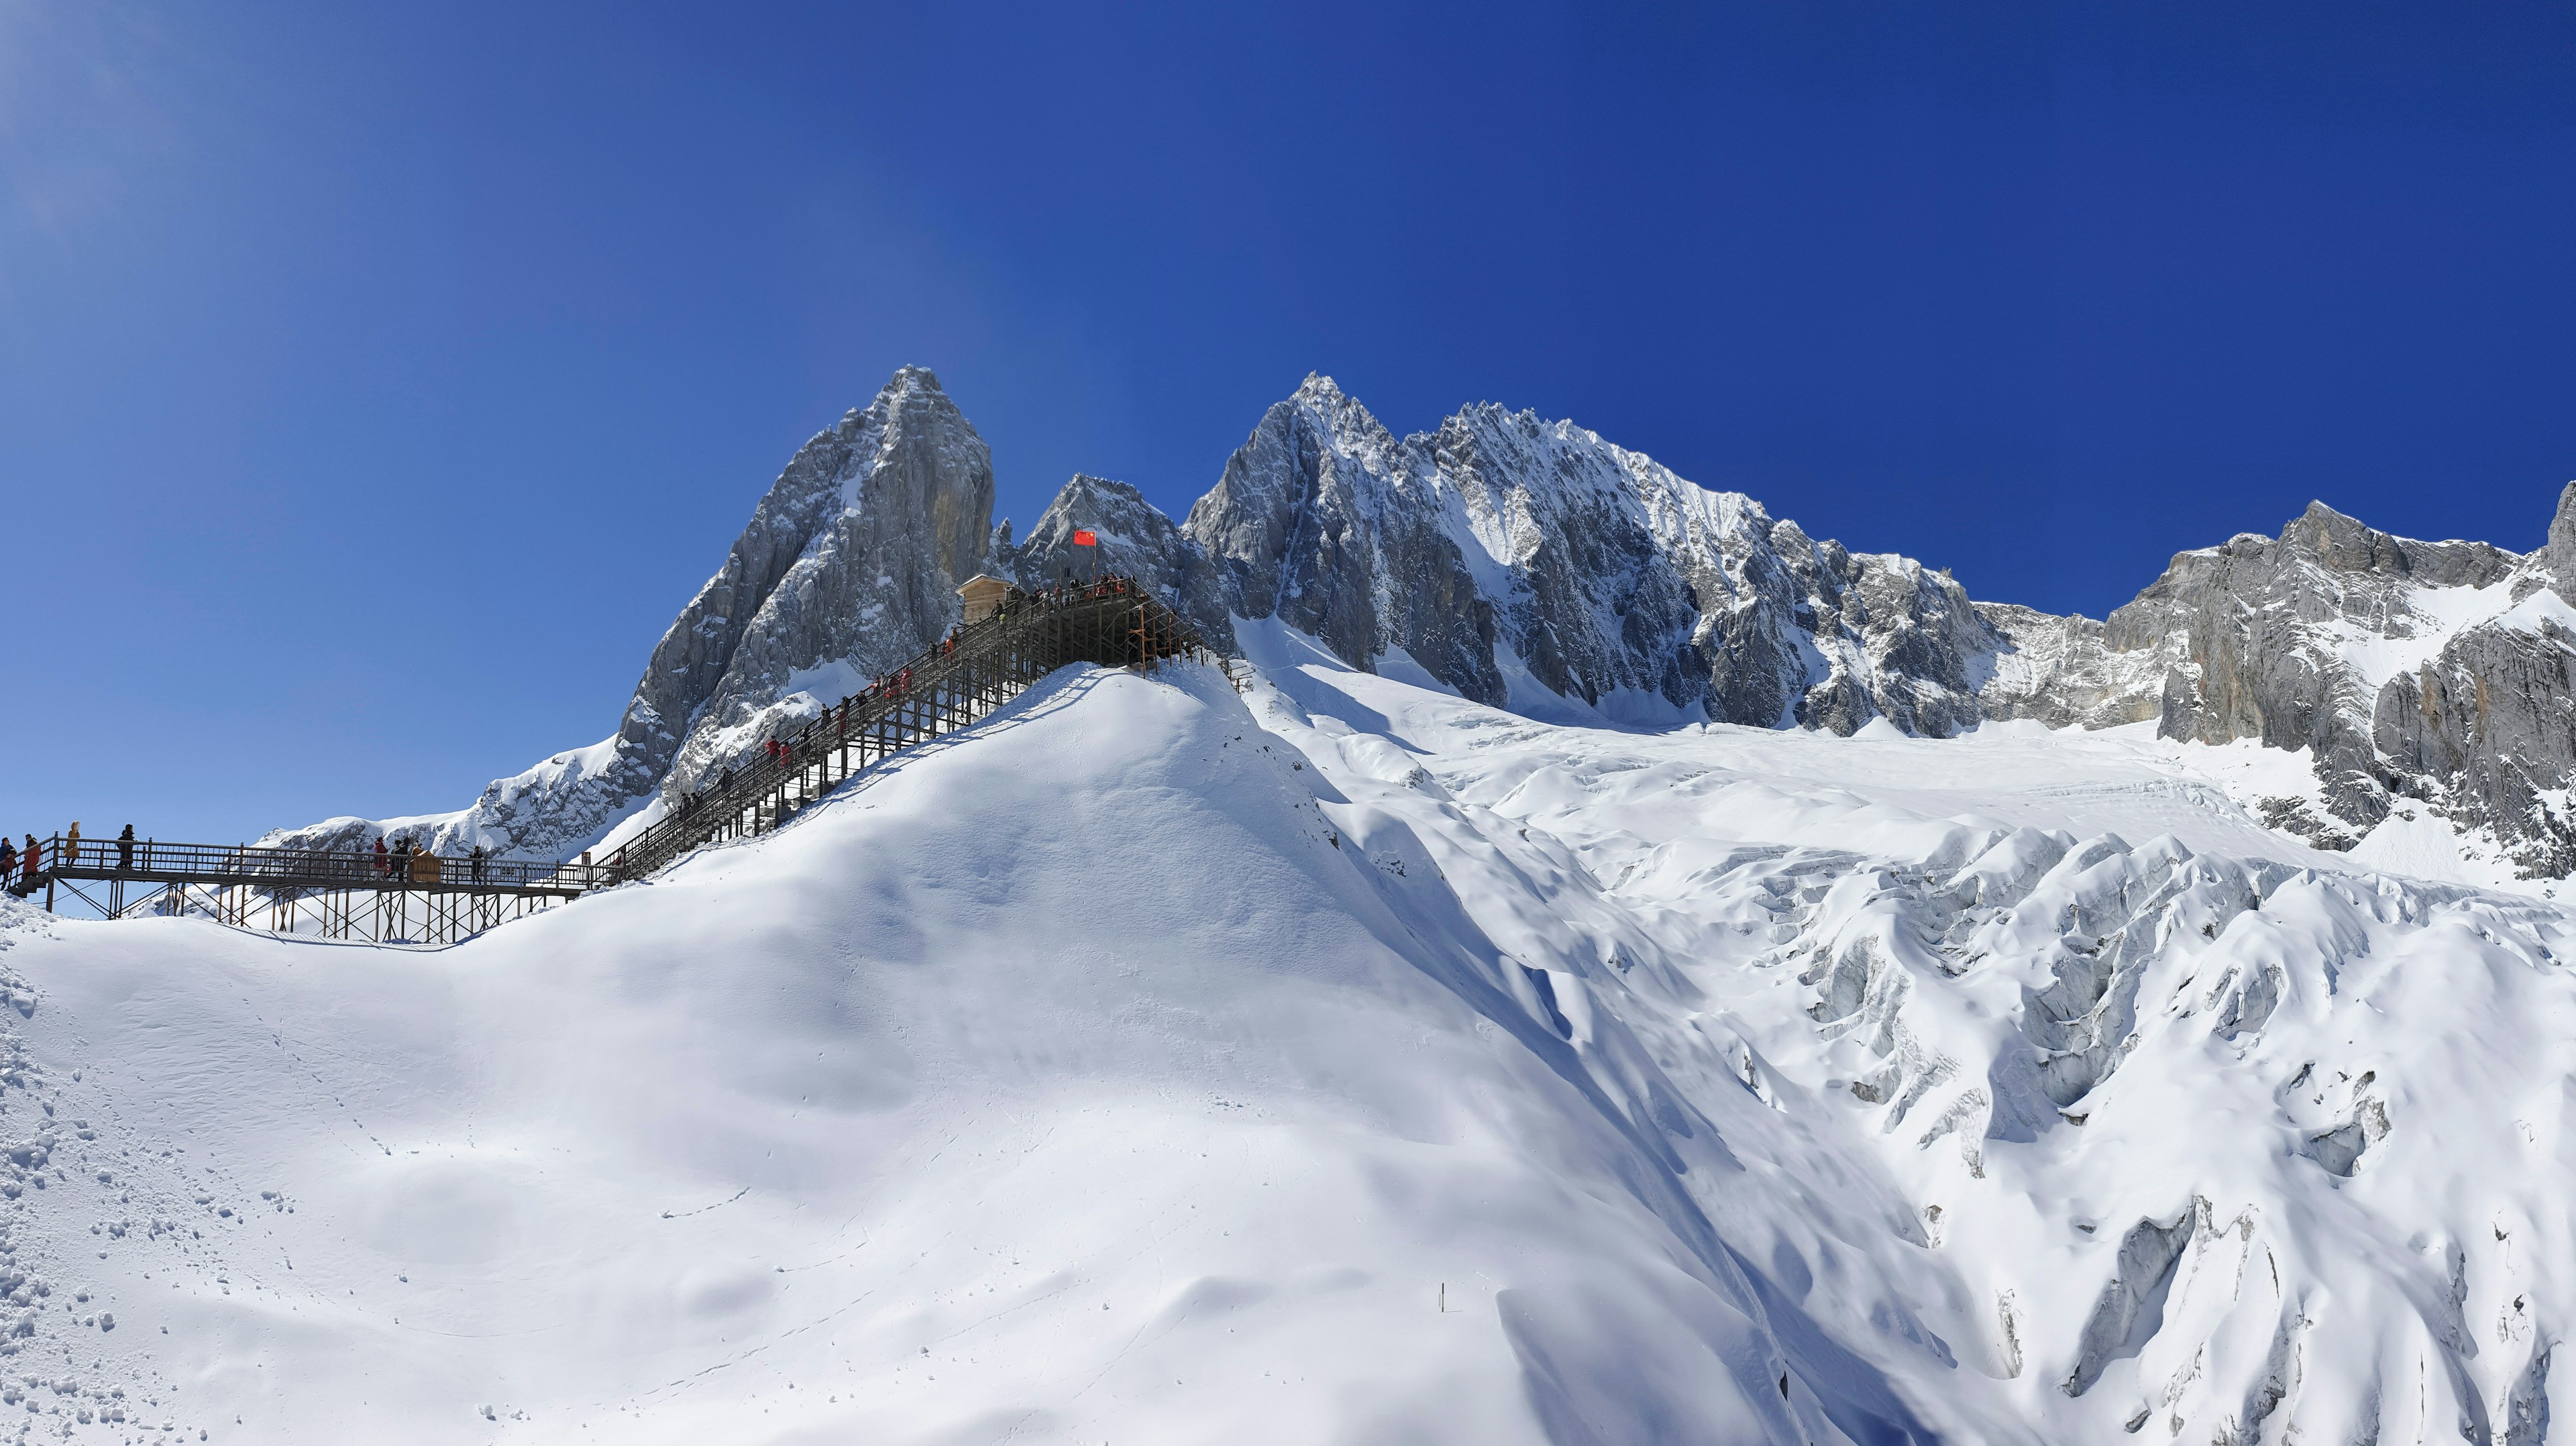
1345, 1062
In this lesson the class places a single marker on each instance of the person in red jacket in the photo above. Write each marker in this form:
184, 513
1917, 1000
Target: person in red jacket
35, 858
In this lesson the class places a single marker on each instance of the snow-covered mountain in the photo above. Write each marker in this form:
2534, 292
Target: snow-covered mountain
1532, 565
1941, 1022
1522, 561
1343, 1062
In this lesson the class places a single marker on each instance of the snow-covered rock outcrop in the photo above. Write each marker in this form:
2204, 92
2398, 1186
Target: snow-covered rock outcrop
1513, 558
2434, 671
849, 566
1504, 553
1526, 562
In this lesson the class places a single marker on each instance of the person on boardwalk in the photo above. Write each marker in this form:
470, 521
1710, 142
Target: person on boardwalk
71, 848
8, 858
125, 850
380, 856
425, 867
478, 863
33, 861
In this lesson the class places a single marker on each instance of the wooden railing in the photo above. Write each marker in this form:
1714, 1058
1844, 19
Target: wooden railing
1114, 622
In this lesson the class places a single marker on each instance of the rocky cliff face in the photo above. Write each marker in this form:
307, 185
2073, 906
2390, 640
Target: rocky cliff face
849, 565
2062, 671
2430, 671
2288, 640
1520, 560
1506, 554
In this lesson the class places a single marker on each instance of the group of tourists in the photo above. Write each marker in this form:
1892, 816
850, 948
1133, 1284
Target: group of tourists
30, 861
415, 863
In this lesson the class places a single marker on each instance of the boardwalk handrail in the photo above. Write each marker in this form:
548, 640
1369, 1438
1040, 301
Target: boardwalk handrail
152, 861
1115, 622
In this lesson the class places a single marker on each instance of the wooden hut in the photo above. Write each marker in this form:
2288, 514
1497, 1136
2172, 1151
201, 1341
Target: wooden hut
983, 593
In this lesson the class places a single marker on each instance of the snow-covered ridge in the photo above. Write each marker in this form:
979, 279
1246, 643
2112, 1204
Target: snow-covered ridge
1531, 564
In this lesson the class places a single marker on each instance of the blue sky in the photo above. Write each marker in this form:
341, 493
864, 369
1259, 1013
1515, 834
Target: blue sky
376, 382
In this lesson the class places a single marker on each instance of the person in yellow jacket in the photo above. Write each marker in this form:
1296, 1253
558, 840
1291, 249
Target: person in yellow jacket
424, 866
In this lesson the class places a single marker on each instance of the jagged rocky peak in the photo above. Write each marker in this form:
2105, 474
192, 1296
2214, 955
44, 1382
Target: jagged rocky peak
1530, 564
1133, 537
1515, 558
2270, 628
849, 565
2409, 670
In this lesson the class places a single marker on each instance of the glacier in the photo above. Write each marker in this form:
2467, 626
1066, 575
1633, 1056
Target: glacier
1348, 1060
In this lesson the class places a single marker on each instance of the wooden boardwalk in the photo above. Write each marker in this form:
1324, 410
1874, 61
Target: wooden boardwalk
429, 899
1113, 623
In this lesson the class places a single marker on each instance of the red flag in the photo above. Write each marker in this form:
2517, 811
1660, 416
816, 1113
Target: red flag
1085, 539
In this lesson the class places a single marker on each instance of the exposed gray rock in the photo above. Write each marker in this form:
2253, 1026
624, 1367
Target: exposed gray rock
2060, 671
2262, 622
2405, 667
1325, 521
2486, 732
848, 567
1524, 562
1133, 537
2132, 1301
1506, 554
2309, 641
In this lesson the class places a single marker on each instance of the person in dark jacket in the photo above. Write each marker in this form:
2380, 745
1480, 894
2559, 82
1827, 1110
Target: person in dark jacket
477, 859
8, 859
125, 850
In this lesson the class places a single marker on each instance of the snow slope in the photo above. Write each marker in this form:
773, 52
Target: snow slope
1346, 1062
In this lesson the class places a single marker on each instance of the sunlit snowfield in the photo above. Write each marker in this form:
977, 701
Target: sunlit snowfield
1341, 1062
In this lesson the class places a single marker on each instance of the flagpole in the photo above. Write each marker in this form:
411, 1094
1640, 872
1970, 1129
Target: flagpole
1085, 537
